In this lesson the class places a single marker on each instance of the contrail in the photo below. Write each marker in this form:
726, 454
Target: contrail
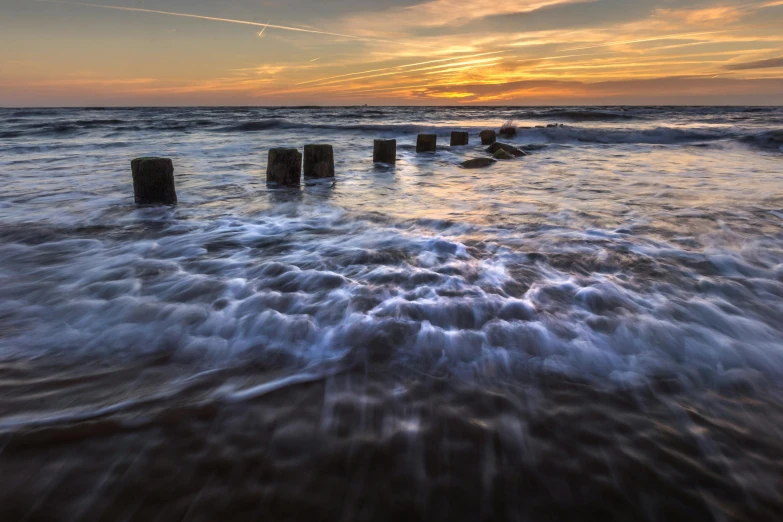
400, 67
264, 29
232, 21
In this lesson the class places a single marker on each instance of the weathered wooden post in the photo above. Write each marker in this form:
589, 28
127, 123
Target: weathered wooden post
284, 166
426, 142
488, 137
318, 161
384, 151
459, 138
153, 181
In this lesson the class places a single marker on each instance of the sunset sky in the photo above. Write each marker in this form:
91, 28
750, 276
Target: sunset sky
395, 52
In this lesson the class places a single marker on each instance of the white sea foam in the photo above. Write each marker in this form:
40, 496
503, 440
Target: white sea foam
618, 254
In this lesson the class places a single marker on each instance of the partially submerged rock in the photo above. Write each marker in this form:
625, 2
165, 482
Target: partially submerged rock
501, 154
488, 137
506, 147
477, 163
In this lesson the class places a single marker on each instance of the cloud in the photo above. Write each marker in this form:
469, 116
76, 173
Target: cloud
757, 64
444, 13
710, 16
675, 89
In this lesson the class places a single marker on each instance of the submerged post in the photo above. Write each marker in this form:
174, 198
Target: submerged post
284, 166
488, 137
459, 138
153, 181
384, 151
426, 142
318, 161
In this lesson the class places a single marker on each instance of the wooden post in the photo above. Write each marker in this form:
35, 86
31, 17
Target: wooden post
384, 151
284, 166
318, 161
426, 142
459, 138
153, 181
488, 137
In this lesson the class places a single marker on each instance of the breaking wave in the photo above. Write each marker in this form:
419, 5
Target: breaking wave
657, 136
767, 140
577, 115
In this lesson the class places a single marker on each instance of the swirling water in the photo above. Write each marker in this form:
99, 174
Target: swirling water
588, 332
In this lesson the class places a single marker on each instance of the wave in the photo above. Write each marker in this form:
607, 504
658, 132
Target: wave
393, 122
276, 123
580, 115
256, 126
656, 136
34, 112
766, 140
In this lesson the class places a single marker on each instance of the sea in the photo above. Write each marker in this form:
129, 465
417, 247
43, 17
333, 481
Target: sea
591, 332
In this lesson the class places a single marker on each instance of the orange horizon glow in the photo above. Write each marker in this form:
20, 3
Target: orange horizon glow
433, 52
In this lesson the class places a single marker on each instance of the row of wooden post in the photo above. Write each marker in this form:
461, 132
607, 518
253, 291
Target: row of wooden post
153, 178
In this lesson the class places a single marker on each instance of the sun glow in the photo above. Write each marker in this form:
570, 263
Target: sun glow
394, 54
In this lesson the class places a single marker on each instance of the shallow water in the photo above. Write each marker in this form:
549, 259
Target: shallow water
589, 332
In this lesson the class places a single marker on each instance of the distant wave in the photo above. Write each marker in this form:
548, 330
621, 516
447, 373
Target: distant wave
658, 135
275, 123
256, 126
117, 126
766, 140
64, 124
579, 115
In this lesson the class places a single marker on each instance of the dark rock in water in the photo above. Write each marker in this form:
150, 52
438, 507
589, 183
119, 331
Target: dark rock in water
477, 163
426, 142
508, 148
153, 181
459, 138
384, 151
284, 166
488, 137
318, 161
501, 154
508, 131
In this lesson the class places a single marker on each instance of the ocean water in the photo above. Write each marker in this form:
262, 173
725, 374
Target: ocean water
590, 332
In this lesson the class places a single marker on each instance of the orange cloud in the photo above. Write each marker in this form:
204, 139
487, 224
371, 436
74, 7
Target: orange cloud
443, 13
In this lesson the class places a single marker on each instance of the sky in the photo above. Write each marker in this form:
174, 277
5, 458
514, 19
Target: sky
390, 52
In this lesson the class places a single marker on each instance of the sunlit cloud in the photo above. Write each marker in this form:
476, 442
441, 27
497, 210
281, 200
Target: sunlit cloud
681, 36
395, 68
444, 13
441, 51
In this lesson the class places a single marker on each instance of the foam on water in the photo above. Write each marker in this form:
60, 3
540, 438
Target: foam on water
591, 332
614, 254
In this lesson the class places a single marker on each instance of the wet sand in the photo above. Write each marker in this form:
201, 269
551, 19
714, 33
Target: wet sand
376, 443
